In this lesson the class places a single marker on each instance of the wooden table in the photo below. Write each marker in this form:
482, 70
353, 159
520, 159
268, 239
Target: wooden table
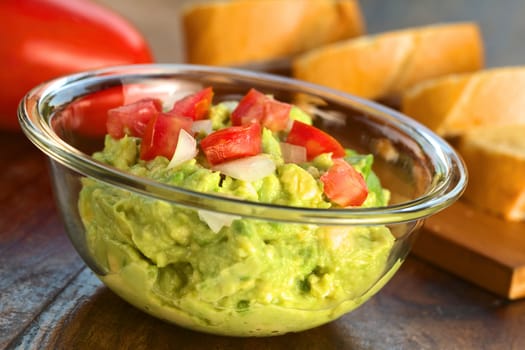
50, 300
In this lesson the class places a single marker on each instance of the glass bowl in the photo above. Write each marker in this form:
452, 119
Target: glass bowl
274, 268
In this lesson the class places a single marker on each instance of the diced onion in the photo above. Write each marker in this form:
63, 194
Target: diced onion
293, 153
186, 149
204, 126
331, 117
247, 169
230, 105
179, 90
289, 125
216, 221
163, 90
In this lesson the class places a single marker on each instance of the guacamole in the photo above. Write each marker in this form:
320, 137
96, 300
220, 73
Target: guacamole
240, 276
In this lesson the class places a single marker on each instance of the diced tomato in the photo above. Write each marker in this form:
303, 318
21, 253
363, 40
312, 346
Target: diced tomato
258, 107
344, 185
195, 106
161, 135
249, 109
131, 119
88, 115
276, 114
314, 140
232, 143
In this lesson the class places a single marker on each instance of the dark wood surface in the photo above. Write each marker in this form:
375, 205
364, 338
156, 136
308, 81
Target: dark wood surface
49, 300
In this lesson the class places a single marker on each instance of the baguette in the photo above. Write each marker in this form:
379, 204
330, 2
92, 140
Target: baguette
495, 158
383, 66
454, 104
245, 31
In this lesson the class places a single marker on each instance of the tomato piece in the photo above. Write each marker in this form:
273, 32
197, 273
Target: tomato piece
249, 108
314, 140
161, 135
74, 35
276, 114
258, 107
232, 143
344, 185
88, 114
131, 119
194, 106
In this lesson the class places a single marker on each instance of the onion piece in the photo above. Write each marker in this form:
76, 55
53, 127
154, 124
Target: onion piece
205, 126
216, 221
230, 105
289, 125
331, 117
186, 149
178, 91
248, 168
293, 153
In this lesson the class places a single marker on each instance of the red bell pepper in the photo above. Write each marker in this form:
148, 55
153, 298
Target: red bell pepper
44, 39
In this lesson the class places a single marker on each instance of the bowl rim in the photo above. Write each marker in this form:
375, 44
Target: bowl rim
448, 183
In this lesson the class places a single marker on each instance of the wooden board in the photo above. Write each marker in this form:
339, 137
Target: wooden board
478, 247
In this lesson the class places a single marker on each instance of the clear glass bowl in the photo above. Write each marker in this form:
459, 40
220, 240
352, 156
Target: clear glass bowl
276, 269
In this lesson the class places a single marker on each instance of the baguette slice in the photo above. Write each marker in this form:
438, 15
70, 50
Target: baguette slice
454, 104
495, 159
382, 66
246, 31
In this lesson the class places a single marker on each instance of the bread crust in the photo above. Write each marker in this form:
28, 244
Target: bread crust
495, 158
245, 31
382, 66
454, 104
